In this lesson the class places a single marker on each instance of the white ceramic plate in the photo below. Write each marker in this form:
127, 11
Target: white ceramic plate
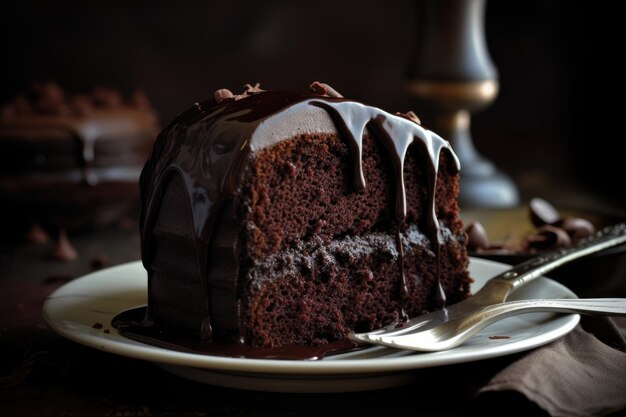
73, 309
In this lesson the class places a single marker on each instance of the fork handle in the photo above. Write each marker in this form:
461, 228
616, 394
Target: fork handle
588, 306
536, 267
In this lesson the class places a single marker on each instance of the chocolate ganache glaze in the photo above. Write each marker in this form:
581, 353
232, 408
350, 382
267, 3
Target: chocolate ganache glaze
209, 144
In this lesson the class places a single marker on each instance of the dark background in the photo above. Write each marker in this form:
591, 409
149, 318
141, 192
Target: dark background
557, 62
552, 127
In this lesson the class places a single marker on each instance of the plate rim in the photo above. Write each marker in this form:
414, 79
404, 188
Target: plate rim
117, 344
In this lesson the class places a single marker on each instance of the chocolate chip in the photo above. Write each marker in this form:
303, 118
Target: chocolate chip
97, 326
548, 237
542, 212
577, 228
252, 89
476, 236
411, 116
223, 94
324, 89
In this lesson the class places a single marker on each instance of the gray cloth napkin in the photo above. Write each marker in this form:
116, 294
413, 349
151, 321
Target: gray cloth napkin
578, 375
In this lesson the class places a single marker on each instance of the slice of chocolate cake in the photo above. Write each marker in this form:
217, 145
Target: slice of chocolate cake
277, 218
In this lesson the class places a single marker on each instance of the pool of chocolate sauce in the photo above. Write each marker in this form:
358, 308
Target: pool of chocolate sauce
133, 325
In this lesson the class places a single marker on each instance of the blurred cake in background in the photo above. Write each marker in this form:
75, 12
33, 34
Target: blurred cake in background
71, 161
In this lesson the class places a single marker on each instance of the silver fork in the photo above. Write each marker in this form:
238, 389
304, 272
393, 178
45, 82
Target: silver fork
498, 288
454, 332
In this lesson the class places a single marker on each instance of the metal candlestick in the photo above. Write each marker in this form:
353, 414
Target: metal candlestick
450, 76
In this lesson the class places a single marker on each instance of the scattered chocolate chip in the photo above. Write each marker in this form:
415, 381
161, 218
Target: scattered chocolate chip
542, 212
107, 331
476, 236
99, 262
324, 89
495, 337
411, 116
551, 232
577, 228
548, 237
98, 326
223, 94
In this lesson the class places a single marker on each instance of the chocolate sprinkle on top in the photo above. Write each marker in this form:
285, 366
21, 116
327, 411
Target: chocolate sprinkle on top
222, 95
252, 89
324, 89
411, 116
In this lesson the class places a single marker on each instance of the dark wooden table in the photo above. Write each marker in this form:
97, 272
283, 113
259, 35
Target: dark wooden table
42, 374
